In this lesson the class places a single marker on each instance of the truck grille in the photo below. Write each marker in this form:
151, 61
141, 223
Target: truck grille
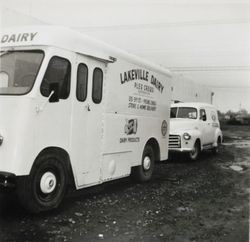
174, 141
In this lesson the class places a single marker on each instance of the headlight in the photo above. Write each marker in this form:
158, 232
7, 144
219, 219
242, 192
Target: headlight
1, 139
186, 136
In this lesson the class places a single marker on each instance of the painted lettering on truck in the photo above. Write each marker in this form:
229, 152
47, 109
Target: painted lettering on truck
139, 74
14, 38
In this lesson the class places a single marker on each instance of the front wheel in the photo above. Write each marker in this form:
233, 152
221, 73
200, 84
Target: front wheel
144, 172
45, 187
194, 154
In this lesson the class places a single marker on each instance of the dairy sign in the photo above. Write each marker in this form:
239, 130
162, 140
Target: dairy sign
144, 84
18, 38
139, 74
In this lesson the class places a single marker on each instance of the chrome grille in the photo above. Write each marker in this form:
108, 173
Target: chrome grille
174, 141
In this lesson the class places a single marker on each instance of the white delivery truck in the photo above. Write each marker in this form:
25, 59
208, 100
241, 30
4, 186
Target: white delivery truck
73, 109
194, 127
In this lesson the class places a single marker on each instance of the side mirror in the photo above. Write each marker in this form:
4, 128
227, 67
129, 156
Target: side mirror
54, 86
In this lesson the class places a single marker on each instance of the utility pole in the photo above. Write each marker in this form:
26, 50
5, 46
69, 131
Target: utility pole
212, 95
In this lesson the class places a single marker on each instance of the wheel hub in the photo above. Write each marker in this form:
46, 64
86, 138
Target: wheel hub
48, 182
146, 163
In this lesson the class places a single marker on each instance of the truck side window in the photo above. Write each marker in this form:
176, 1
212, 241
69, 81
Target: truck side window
82, 82
173, 112
203, 115
97, 85
58, 71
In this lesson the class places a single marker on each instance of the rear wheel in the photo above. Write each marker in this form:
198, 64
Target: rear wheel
45, 187
194, 154
217, 148
144, 172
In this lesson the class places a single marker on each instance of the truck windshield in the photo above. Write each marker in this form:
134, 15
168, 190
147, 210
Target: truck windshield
18, 71
183, 112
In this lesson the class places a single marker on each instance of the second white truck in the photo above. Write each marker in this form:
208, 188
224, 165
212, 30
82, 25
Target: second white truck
194, 127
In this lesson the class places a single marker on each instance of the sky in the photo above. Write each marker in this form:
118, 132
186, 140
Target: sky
204, 40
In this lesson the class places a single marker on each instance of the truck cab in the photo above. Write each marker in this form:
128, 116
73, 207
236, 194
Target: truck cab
194, 127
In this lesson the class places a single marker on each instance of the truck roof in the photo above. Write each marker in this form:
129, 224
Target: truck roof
71, 40
193, 104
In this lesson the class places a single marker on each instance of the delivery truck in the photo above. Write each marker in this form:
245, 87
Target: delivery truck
76, 111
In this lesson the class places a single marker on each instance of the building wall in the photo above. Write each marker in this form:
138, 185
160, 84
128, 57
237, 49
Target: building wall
186, 90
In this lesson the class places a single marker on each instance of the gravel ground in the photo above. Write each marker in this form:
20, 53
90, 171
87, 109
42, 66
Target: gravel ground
207, 200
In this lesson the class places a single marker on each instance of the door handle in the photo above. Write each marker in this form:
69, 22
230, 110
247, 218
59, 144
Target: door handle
87, 107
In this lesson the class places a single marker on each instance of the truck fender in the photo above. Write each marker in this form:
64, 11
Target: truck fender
218, 135
195, 135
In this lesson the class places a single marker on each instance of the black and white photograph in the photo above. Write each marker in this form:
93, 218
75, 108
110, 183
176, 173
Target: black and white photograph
124, 120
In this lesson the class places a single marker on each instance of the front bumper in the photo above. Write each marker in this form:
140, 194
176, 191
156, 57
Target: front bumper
180, 149
7, 181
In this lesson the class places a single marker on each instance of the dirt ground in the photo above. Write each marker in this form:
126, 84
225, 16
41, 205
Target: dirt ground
205, 200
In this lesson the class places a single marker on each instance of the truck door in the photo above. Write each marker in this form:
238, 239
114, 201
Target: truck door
214, 123
87, 115
205, 125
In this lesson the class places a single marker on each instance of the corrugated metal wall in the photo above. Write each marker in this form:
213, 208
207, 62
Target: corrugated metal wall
186, 90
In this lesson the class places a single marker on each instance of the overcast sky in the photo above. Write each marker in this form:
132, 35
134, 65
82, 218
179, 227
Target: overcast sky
205, 40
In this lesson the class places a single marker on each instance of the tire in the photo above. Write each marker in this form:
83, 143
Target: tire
144, 172
45, 187
216, 149
195, 153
